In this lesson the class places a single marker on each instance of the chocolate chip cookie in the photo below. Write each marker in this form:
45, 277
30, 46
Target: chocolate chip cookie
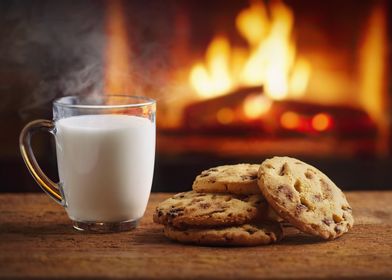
236, 179
306, 197
192, 209
245, 235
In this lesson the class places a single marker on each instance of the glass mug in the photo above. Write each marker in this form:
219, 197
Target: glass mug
105, 154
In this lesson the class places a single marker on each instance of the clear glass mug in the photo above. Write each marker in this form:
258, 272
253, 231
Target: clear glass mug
105, 153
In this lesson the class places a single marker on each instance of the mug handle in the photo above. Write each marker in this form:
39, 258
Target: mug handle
47, 185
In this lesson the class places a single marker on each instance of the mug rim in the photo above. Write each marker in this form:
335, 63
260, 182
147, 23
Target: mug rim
143, 101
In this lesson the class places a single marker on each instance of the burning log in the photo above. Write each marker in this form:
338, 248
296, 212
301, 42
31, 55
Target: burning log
223, 114
339, 121
228, 115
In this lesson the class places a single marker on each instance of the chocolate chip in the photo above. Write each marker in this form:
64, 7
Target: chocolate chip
317, 197
243, 197
204, 175
205, 205
299, 208
215, 211
196, 200
286, 191
338, 228
251, 230
175, 212
328, 222
248, 177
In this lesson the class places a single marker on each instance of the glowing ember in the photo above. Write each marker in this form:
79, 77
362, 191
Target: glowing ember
321, 122
270, 59
290, 120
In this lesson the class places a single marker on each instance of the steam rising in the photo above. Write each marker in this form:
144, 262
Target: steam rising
56, 48
52, 48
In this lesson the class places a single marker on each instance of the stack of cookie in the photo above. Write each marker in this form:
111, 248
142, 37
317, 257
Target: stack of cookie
243, 205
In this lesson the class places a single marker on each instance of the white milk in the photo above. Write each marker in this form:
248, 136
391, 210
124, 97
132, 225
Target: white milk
106, 165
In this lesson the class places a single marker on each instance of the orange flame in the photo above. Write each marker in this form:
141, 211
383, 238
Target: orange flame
118, 69
373, 68
255, 105
373, 62
214, 78
270, 59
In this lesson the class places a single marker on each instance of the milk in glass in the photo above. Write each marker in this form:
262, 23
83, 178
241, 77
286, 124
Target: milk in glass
106, 166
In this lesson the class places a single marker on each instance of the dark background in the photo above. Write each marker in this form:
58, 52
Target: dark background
50, 49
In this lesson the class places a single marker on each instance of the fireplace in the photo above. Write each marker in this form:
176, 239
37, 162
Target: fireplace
278, 78
235, 81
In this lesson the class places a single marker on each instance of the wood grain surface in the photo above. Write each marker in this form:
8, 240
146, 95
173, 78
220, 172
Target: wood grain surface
38, 241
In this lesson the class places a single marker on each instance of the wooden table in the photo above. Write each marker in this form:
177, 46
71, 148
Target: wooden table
37, 241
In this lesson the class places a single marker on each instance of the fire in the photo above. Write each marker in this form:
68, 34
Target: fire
270, 60
118, 69
256, 105
373, 69
214, 79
